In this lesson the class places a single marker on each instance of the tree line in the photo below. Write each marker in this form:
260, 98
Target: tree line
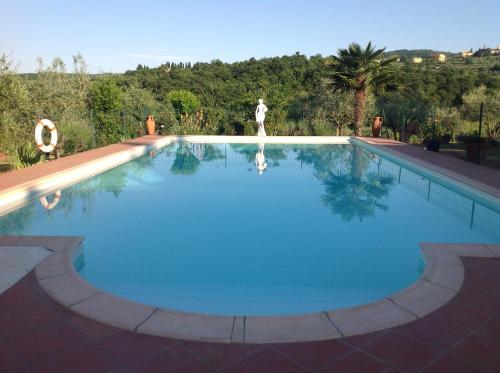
335, 95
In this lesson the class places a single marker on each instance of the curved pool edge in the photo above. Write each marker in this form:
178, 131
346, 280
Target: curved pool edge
440, 282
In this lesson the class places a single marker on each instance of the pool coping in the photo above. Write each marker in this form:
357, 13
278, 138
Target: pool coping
440, 282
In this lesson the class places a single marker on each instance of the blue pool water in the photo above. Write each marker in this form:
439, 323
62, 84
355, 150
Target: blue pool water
197, 228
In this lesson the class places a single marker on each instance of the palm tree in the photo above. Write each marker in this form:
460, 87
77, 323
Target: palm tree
358, 69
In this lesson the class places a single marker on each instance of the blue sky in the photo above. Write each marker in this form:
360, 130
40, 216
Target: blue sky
118, 35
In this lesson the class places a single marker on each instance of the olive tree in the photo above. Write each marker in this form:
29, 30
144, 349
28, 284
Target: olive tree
15, 117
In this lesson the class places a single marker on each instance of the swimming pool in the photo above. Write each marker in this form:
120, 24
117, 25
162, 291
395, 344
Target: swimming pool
249, 229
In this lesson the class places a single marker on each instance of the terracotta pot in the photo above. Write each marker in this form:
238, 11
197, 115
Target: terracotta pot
376, 126
150, 125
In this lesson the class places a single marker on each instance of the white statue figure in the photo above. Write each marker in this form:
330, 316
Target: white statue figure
260, 115
260, 159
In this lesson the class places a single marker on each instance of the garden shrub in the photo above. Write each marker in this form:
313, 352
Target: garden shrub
25, 155
75, 135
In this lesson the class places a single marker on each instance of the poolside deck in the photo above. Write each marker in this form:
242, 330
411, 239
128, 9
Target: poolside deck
37, 334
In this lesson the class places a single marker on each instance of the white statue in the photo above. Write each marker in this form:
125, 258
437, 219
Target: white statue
260, 159
260, 115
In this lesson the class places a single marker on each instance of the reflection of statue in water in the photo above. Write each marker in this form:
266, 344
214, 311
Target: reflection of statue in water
260, 115
260, 159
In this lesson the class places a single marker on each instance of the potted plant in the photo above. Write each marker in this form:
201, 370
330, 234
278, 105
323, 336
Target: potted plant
472, 144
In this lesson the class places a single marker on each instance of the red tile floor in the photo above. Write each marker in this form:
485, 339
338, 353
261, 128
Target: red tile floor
38, 335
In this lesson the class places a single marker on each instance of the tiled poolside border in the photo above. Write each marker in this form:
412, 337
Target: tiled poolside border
440, 282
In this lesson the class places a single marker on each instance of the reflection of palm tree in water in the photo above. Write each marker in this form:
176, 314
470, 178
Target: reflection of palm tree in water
260, 160
185, 162
348, 191
349, 194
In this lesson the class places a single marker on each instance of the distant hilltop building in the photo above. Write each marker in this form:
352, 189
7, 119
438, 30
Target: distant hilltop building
485, 52
440, 57
416, 60
466, 53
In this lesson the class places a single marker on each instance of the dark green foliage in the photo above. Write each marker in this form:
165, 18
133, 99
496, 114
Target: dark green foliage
105, 101
184, 102
408, 54
472, 138
482, 52
220, 98
400, 109
291, 88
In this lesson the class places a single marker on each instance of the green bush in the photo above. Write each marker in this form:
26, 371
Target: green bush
25, 155
166, 120
300, 128
105, 102
430, 131
16, 127
76, 135
322, 128
184, 102
108, 129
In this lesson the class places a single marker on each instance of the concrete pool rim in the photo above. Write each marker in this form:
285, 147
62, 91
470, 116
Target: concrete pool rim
442, 278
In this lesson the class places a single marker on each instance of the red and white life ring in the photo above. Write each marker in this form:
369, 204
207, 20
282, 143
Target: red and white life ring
49, 206
38, 135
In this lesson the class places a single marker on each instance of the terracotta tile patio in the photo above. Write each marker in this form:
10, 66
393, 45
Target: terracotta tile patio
38, 335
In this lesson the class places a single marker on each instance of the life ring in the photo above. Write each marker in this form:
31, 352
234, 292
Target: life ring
38, 135
49, 206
